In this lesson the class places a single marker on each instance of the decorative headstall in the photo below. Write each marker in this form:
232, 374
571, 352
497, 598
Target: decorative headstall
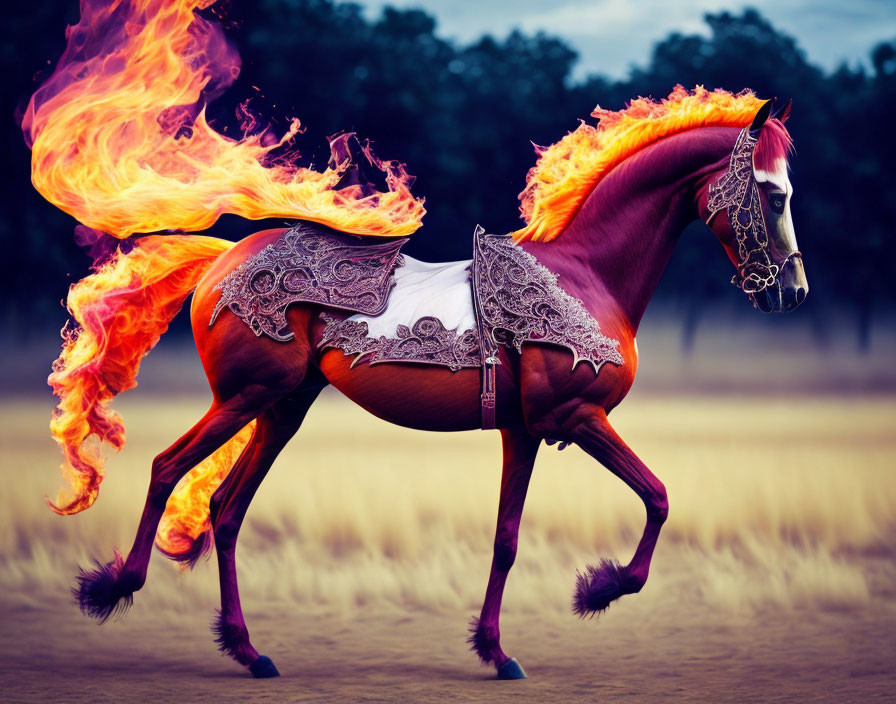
738, 191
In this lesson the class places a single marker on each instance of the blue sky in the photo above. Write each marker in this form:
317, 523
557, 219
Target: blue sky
611, 35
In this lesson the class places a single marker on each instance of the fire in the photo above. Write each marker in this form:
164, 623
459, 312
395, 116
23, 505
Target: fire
186, 517
120, 140
120, 310
569, 170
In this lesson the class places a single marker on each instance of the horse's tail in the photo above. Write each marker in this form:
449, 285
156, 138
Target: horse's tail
121, 310
185, 531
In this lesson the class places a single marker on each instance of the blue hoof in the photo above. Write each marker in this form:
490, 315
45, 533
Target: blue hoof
264, 667
511, 670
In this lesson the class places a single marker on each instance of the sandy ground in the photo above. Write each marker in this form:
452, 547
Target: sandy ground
365, 553
379, 655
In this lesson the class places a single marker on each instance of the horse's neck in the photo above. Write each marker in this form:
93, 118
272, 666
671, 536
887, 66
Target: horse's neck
612, 254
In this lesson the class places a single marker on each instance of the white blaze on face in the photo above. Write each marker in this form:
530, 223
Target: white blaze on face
784, 233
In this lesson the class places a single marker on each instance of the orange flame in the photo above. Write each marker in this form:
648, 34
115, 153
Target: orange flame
122, 310
186, 519
567, 171
120, 140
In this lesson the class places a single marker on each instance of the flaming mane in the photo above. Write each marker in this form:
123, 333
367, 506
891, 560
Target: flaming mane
568, 171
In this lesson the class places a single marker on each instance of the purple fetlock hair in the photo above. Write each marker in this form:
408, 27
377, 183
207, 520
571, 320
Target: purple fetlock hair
597, 587
98, 592
481, 641
228, 636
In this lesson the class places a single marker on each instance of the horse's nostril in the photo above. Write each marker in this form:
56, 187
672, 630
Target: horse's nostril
800, 295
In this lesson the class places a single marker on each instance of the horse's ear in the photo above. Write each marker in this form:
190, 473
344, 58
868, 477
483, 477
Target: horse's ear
783, 112
761, 116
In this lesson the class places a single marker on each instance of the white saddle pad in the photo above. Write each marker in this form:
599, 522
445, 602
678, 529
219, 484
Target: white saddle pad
422, 289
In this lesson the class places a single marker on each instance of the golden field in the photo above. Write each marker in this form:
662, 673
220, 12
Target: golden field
368, 548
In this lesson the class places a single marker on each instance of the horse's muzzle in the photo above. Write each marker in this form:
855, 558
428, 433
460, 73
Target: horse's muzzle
788, 291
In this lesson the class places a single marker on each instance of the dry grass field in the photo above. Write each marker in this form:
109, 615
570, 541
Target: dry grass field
368, 548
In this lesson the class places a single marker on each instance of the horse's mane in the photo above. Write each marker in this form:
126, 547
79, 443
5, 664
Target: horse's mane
568, 171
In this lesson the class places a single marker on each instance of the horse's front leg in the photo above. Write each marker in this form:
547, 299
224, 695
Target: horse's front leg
520, 449
599, 585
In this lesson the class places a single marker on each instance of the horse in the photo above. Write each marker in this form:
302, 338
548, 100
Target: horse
607, 233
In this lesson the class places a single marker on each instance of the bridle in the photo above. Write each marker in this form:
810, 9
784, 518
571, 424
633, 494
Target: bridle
738, 192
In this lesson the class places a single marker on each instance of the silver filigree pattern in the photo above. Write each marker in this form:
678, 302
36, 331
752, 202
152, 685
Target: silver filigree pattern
519, 300
427, 341
309, 264
738, 193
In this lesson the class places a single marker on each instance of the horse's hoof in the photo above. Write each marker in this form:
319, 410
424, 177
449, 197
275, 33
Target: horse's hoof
511, 670
264, 667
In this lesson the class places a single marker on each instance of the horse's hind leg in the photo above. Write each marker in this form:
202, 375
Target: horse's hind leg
598, 586
228, 508
520, 449
110, 587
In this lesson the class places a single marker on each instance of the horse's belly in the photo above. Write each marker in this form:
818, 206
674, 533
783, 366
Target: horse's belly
411, 395
420, 390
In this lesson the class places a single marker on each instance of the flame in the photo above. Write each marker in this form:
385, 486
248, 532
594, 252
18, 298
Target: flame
186, 520
120, 140
121, 310
568, 171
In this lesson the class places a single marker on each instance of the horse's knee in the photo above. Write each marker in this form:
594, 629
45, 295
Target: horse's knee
162, 482
225, 532
505, 552
657, 503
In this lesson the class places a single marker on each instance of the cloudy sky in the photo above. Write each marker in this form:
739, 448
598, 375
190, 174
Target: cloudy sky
611, 35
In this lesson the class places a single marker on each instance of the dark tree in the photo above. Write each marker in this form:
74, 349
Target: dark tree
462, 118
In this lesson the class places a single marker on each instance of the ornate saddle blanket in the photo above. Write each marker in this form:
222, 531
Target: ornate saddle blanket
515, 300
518, 300
309, 264
505, 298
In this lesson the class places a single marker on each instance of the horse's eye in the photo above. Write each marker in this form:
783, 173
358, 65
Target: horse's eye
777, 201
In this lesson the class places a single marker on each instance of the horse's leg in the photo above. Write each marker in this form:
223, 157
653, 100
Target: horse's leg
600, 585
520, 449
228, 508
110, 587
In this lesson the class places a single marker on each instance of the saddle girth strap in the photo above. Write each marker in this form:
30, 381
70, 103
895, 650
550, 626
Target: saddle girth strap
488, 348
488, 398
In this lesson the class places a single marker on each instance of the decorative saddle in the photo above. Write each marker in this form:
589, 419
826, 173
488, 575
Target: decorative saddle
514, 300
309, 264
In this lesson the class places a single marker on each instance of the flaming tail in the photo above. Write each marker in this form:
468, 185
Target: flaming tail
120, 140
185, 531
121, 311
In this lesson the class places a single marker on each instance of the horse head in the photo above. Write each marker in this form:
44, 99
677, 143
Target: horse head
758, 235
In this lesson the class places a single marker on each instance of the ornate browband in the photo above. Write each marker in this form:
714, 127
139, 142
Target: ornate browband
738, 192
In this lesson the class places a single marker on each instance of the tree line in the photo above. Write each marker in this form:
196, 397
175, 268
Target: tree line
464, 117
